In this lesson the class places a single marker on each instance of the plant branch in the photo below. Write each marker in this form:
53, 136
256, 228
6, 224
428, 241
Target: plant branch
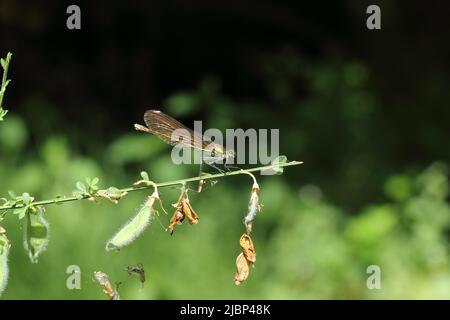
158, 185
5, 82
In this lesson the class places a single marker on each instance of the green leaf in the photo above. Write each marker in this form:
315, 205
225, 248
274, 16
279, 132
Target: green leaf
144, 176
78, 194
276, 169
277, 161
36, 234
133, 228
3, 63
26, 198
81, 186
5, 245
20, 212
92, 185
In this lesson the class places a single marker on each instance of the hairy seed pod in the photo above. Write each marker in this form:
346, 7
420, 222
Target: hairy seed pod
4, 251
36, 234
135, 227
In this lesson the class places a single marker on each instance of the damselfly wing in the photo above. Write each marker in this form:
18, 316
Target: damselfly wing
174, 133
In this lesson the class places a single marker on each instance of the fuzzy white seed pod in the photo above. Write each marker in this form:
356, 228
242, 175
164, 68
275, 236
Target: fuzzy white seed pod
253, 207
4, 251
135, 227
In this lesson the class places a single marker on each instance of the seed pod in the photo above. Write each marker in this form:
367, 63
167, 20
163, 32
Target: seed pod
177, 219
36, 233
4, 251
245, 259
183, 209
189, 211
247, 248
253, 208
103, 280
135, 227
243, 269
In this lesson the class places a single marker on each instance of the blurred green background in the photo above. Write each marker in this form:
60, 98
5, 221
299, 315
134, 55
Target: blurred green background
366, 111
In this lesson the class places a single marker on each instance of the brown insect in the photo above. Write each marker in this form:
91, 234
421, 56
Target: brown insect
174, 133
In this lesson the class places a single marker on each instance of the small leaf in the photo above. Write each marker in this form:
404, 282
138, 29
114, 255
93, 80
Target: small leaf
94, 181
36, 234
276, 169
80, 186
78, 194
20, 212
12, 194
3, 63
277, 161
26, 198
144, 175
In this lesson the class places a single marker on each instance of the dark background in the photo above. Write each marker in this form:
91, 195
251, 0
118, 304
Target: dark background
129, 57
366, 110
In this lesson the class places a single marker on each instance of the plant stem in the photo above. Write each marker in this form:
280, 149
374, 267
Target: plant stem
160, 185
4, 83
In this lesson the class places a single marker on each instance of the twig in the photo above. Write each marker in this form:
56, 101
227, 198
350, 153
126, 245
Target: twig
5, 82
159, 185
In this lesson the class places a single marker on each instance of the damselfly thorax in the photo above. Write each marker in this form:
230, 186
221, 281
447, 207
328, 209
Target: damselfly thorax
176, 134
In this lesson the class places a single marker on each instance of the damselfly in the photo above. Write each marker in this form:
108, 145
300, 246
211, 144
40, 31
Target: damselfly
174, 133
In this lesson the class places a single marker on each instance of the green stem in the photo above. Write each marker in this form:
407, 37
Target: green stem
162, 184
4, 78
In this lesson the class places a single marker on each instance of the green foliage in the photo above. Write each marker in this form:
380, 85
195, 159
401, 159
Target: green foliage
23, 202
86, 189
5, 81
276, 162
358, 202
307, 247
